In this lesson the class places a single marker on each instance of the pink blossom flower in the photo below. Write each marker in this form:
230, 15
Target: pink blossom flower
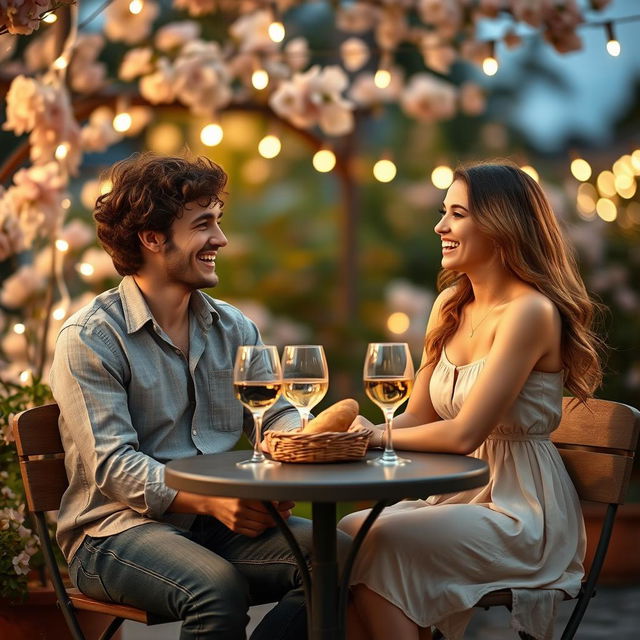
41, 51
18, 288
356, 18
391, 29
472, 99
102, 264
251, 31
11, 240
78, 234
98, 134
296, 53
427, 98
176, 34
437, 55
365, 93
25, 102
22, 16
158, 87
36, 195
354, 53
87, 75
136, 62
196, 7
314, 98
122, 25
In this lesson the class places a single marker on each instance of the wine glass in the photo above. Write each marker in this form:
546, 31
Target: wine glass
305, 377
388, 380
257, 383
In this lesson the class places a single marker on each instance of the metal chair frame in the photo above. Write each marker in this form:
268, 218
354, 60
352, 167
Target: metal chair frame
603, 417
41, 457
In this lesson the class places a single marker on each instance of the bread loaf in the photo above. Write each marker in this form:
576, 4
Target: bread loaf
338, 417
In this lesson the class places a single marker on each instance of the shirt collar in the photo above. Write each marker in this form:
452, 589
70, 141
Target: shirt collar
137, 312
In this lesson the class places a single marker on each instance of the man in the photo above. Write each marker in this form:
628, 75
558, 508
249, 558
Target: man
143, 375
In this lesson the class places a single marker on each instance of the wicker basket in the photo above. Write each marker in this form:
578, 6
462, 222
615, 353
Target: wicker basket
328, 446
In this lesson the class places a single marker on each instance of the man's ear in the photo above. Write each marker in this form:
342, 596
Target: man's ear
152, 240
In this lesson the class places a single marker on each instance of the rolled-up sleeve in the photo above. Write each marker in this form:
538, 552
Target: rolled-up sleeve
89, 380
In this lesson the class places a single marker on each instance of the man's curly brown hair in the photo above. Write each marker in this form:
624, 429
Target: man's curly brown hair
148, 193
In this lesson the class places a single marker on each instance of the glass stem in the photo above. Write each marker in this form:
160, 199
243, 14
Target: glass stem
388, 442
257, 451
304, 418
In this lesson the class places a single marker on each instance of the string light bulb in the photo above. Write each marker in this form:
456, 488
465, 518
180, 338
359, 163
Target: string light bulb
59, 313
382, 78
613, 45
276, 31
19, 328
398, 322
606, 209
324, 160
86, 269
62, 245
62, 150
135, 7
260, 79
122, 122
442, 177
211, 134
531, 171
581, 169
50, 18
384, 170
490, 64
269, 147
60, 63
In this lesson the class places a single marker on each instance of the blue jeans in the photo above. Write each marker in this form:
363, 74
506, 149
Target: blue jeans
207, 577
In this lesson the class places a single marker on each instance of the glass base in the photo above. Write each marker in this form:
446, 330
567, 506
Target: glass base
389, 459
257, 459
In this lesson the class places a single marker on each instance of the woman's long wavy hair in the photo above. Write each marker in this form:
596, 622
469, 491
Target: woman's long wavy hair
511, 210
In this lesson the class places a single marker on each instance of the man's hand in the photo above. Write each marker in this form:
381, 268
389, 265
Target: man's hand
248, 517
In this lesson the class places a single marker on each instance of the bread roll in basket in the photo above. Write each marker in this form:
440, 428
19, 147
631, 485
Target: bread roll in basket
325, 439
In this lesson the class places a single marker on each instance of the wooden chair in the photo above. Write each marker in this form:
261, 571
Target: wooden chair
42, 467
597, 443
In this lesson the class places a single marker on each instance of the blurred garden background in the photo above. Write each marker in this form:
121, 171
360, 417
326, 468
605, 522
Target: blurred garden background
339, 122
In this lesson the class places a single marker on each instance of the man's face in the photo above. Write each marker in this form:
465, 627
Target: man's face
190, 254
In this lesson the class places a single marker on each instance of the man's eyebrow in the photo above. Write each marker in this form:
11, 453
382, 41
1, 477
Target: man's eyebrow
204, 217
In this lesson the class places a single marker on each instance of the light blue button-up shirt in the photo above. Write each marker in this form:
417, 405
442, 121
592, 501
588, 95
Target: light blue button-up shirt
130, 401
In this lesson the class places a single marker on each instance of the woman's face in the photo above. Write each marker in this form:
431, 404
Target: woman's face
464, 247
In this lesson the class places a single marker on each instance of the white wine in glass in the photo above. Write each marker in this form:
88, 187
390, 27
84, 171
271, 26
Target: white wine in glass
305, 377
388, 381
257, 383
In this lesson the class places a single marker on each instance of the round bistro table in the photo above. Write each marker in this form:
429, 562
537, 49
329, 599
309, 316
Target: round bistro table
324, 485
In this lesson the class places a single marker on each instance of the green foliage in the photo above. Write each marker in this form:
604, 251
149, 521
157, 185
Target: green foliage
19, 547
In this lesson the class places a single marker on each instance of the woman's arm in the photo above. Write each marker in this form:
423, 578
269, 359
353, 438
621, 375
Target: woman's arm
526, 332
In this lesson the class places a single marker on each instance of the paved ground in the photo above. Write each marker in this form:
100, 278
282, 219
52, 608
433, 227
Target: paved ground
613, 613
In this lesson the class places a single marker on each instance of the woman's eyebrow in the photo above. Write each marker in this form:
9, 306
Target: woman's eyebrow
456, 206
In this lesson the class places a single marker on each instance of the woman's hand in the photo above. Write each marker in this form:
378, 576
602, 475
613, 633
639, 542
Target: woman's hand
361, 422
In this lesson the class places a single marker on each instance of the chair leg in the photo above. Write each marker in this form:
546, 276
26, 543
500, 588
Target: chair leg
114, 625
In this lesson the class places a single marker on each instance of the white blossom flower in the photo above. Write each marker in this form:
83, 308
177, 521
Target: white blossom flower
87, 74
77, 234
98, 134
11, 240
201, 78
41, 51
176, 34
427, 98
16, 291
158, 87
366, 93
251, 31
22, 16
136, 62
102, 264
436, 55
36, 195
391, 29
122, 25
24, 104
314, 98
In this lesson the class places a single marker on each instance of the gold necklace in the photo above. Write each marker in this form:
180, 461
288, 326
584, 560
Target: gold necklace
484, 317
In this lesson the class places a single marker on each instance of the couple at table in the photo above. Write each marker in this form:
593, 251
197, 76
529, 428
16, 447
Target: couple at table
142, 375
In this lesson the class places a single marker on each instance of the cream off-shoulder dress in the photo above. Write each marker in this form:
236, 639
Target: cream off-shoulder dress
436, 558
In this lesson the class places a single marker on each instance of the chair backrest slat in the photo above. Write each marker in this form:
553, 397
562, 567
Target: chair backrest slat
36, 431
598, 477
597, 443
44, 482
601, 423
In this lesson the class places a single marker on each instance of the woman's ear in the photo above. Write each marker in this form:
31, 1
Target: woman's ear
152, 240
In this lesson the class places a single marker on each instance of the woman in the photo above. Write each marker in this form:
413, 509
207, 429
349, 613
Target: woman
510, 329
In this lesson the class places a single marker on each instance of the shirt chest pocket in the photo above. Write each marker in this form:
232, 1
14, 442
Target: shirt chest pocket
225, 410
